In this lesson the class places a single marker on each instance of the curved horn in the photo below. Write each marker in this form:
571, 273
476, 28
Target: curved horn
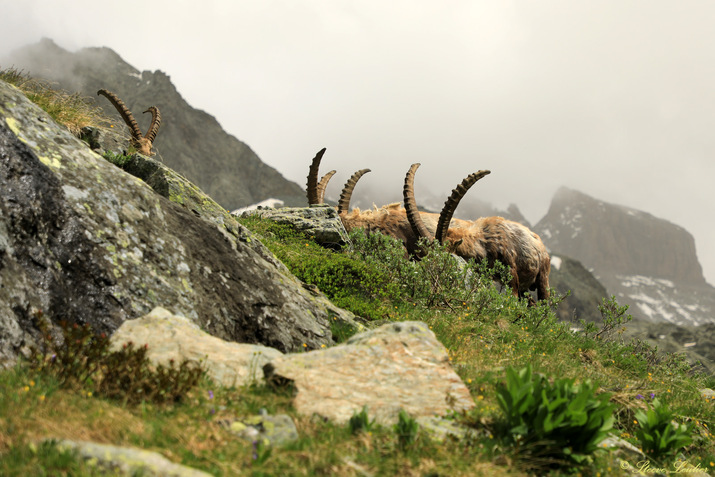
413, 215
453, 201
155, 123
347, 193
312, 186
323, 184
123, 111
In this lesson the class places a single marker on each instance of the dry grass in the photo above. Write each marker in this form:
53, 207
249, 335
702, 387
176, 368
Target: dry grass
72, 110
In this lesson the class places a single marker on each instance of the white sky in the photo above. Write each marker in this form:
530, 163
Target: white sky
615, 98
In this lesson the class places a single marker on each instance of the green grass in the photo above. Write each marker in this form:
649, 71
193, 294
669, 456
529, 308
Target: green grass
485, 332
484, 328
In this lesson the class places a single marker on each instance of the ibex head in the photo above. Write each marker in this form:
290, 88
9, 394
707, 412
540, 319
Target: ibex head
143, 144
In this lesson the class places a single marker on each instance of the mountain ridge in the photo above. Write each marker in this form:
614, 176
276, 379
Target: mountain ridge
190, 141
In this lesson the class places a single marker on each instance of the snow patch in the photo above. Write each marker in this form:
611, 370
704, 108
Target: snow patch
556, 262
271, 203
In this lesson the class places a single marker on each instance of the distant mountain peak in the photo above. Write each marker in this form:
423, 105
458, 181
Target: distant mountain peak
645, 260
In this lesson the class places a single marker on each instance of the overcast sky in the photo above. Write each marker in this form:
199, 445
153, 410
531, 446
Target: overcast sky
612, 98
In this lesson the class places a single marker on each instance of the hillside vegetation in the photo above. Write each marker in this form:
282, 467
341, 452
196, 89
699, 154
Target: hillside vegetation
534, 381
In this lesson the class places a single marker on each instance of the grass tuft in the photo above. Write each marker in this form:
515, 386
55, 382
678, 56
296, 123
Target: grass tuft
72, 110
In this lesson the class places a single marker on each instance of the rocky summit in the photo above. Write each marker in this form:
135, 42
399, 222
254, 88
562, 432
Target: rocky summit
647, 262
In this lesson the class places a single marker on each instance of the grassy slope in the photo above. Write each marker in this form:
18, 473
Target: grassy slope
484, 331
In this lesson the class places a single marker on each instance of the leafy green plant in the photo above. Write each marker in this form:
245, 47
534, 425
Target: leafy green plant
658, 434
261, 452
360, 422
406, 429
560, 420
84, 359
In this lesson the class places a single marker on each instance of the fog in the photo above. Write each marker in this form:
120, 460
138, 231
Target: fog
613, 98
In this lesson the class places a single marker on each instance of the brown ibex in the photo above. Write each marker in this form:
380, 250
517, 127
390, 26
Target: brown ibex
493, 238
389, 219
143, 144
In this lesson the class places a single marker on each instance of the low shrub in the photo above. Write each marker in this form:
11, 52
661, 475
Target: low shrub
84, 359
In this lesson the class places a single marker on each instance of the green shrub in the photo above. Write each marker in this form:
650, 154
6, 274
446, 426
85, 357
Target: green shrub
360, 422
613, 315
406, 429
84, 359
658, 434
118, 160
560, 421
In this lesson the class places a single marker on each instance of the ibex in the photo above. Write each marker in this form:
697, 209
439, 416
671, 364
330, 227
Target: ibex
493, 238
143, 144
390, 219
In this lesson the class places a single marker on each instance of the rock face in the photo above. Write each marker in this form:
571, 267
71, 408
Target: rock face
616, 240
568, 274
646, 262
399, 365
83, 241
189, 141
117, 460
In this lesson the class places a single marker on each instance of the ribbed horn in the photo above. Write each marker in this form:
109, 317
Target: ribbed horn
323, 184
445, 217
413, 215
312, 186
123, 112
155, 123
347, 193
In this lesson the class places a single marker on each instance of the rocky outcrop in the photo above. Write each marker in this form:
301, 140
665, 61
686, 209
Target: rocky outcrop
397, 366
586, 293
190, 141
117, 460
319, 222
174, 338
84, 241
646, 262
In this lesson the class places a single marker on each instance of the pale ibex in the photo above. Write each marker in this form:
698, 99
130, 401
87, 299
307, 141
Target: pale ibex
493, 238
143, 144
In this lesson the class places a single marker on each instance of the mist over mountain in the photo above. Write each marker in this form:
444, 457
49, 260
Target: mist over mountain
190, 141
